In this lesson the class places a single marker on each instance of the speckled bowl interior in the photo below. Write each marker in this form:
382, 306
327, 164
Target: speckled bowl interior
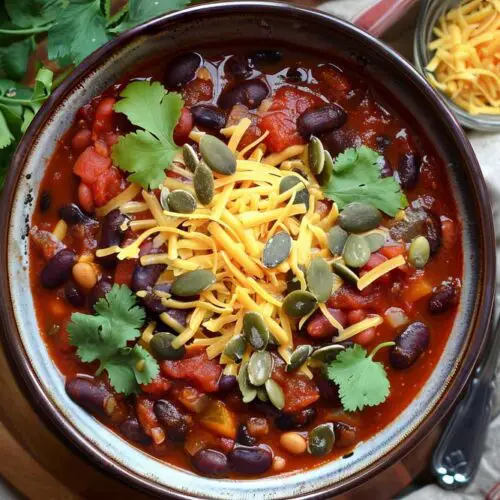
232, 23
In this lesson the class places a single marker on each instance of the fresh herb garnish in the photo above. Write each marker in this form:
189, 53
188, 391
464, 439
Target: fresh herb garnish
104, 337
149, 152
361, 381
356, 177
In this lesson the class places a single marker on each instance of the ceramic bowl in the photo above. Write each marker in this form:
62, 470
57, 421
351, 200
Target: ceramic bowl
230, 23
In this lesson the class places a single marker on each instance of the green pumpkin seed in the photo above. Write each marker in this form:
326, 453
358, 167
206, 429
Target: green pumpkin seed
203, 182
235, 348
327, 172
299, 303
277, 250
299, 357
327, 353
275, 393
161, 346
217, 155
316, 155
301, 196
192, 282
247, 390
262, 393
375, 240
182, 202
319, 278
260, 367
164, 193
419, 253
336, 240
255, 330
345, 273
359, 217
356, 251
321, 440
190, 157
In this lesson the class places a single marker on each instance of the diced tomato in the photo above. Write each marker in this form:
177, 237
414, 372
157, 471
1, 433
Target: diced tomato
81, 140
86, 198
101, 148
355, 316
392, 251
366, 337
198, 90
300, 392
319, 326
375, 260
147, 418
108, 185
46, 242
348, 298
124, 270
183, 127
103, 121
158, 387
90, 165
199, 369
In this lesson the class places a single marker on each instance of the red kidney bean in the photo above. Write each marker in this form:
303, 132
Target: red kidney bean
72, 214
337, 141
250, 459
89, 395
296, 420
45, 201
81, 140
227, 383
238, 67
318, 325
73, 294
433, 231
58, 269
250, 93
111, 234
243, 436
101, 288
316, 121
445, 296
345, 435
210, 462
410, 344
208, 116
182, 69
385, 168
175, 422
408, 171
179, 315
133, 431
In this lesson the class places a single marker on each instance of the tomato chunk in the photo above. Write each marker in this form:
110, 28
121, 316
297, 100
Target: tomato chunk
158, 387
108, 185
90, 165
144, 408
124, 270
183, 127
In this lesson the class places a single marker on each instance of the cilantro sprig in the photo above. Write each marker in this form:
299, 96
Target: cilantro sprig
356, 177
148, 152
105, 338
361, 381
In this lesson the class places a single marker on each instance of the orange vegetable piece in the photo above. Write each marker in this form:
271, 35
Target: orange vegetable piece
417, 289
219, 419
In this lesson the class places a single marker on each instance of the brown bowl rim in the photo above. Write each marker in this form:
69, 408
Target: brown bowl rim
482, 314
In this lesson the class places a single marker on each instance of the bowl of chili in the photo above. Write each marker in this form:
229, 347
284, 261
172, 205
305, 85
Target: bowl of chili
247, 258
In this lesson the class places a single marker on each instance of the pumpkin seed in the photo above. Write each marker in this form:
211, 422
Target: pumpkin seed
277, 249
235, 348
327, 172
359, 217
217, 155
299, 357
299, 303
419, 253
321, 440
301, 196
316, 155
247, 390
275, 393
164, 193
375, 240
161, 346
181, 201
336, 240
203, 182
255, 330
356, 251
192, 282
260, 367
190, 157
262, 393
319, 278
345, 273
327, 353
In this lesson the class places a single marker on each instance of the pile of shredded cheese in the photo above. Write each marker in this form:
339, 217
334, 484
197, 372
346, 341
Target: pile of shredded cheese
228, 237
466, 63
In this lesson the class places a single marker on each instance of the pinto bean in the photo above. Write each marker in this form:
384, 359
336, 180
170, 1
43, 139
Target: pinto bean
73, 294
210, 462
133, 430
408, 171
72, 214
244, 437
250, 459
102, 287
111, 234
58, 269
227, 383
175, 422
410, 344
90, 395
296, 420
250, 93
445, 296
316, 121
208, 116
182, 69
345, 435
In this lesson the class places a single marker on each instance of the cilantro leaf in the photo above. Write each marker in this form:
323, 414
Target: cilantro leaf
356, 177
361, 381
148, 153
6, 136
29, 13
14, 58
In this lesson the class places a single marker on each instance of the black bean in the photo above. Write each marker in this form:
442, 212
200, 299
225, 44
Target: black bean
445, 296
266, 56
250, 93
296, 420
101, 288
179, 315
408, 171
250, 459
145, 277
316, 121
153, 301
134, 431
72, 214
263, 408
175, 422
111, 235
385, 168
337, 141
207, 116
227, 383
210, 462
238, 67
345, 435
58, 269
73, 294
88, 394
182, 69
45, 201
410, 344
244, 437
296, 75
